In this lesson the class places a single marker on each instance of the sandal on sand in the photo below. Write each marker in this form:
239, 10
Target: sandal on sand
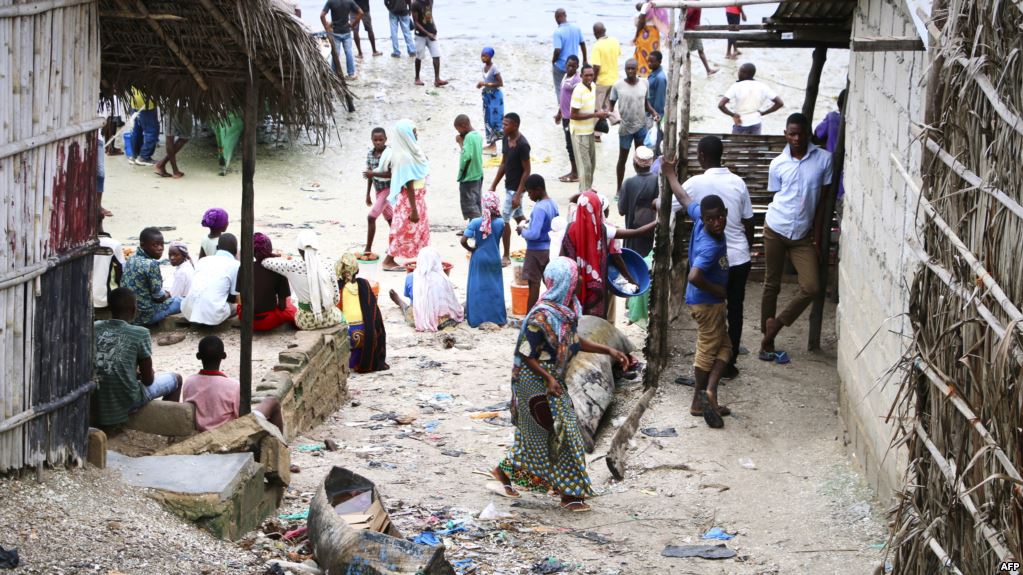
782, 357
576, 506
710, 415
503, 489
568, 180
394, 269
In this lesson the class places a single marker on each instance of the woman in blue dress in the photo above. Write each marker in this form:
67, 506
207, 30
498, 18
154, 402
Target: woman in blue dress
485, 292
493, 100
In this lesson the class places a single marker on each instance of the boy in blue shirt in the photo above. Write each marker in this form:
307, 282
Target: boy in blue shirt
537, 234
705, 296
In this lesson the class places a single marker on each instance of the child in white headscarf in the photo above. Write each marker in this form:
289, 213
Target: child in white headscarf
312, 284
434, 303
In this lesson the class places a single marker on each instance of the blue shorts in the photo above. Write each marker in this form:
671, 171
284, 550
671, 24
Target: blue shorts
626, 141
507, 213
163, 384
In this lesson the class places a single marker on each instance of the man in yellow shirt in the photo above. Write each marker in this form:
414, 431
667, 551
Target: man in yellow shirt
146, 130
604, 59
584, 116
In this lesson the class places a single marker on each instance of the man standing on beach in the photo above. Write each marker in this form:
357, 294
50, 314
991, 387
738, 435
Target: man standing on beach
564, 114
606, 51
798, 178
515, 168
426, 39
470, 168
657, 93
749, 96
400, 15
696, 44
343, 15
366, 21
630, 95
568, 41
584, 117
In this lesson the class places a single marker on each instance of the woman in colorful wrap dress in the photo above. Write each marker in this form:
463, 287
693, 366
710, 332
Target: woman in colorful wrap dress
548, 453
493, 99
410, 227
365, 324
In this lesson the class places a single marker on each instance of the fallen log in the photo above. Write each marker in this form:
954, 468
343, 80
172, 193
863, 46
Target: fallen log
620, 442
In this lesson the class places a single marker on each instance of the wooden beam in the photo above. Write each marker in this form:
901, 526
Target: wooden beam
127, 15
251, 126
993, 98
171, 44
813, 81
894, 44
239, 39
11, 148
706, 27
33, 8
707, 3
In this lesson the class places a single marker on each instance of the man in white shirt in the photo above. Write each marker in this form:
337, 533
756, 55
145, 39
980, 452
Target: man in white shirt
793, 227
104, 266
214, 285
748, 98
720, 181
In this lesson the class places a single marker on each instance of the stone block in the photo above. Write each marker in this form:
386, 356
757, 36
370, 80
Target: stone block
242, 434
96, 452
275, 459
169, 418
292, 358
222, 493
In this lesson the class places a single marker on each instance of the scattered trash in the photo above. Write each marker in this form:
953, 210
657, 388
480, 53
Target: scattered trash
302, 515
431, 426
8, 558
274, 568
720, 487
491, 513
500, 421
654, 432
485, 415
443, 397
330, 444
296, 533
718, 534
649, 492
381, 464
302, 568
383, 416
685, 380
503, 406
719, 551
592, 536
549, 565
464, 566
747, 463
453, 452
426, 538
310, 448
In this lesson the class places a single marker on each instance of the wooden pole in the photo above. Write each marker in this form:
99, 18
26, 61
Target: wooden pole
251, 120
813, 81
813, 342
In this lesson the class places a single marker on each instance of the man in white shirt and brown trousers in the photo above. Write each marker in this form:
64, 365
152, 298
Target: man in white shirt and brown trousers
748, 98
793, 226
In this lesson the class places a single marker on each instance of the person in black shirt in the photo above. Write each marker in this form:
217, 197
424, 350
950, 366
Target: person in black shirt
343, 15
426, 39
366, 21
515, 168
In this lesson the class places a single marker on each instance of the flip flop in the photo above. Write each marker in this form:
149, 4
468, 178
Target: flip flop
766, 356
685, 380
576, 507
394, 269
782, 357
568, 180
498, 488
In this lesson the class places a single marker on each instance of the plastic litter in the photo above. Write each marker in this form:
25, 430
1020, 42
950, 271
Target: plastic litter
719, 551
547, 566
426, 538
310, 448
654, 432
431, 426
443, 397
491, 513
718, 533
747, 463
300, 516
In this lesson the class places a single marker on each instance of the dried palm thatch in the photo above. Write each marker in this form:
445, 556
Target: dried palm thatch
200, 54
961, 405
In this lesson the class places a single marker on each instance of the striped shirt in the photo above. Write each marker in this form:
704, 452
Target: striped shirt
585, 100
119, 348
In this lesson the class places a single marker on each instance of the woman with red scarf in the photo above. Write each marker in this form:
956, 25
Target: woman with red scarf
586, 244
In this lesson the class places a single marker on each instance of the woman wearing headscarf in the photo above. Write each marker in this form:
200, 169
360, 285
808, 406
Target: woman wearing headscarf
548, 453
184, 269
216, 220
434, 304
586, 244
365, 325
493, 99
485, 291
312, 283
410, 228
271, 302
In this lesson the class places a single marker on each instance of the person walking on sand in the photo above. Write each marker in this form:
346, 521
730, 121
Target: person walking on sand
547, 454
630, 96
410, 228
367, 21
180, 132
749, 97
584, 116
606, 51
470, 168
426, 39
378, 184
400, 15
719, 181
515, 169
696, 44
568, 42
493, 99
564, 115
734, 14
145, 130
798, 178
343, 15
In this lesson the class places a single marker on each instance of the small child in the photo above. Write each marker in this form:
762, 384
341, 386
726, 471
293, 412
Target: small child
216, 396
184, 269
378, 178
216, 220
470, 168
705, 296
537, 234
142, 276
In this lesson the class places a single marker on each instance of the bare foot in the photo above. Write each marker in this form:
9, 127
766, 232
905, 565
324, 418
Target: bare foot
378, 53
160, 171
358, 57
179, 175
106, 213
505, 481
419, 82
438, 82
574, 504
712, 71
505, 261
569, 177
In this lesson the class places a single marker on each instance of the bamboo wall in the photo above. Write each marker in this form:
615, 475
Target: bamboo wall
49, 86
962, 404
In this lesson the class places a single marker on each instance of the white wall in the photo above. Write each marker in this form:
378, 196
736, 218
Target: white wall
876, 270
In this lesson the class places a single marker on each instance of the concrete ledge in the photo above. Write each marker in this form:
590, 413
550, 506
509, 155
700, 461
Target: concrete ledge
168, 418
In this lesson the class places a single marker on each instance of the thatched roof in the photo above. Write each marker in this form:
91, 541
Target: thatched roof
197, 53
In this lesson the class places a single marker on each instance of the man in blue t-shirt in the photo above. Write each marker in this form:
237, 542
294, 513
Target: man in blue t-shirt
705, 296
537, 234
568, 41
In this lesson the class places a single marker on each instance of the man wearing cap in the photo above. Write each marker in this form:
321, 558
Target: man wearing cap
635, 202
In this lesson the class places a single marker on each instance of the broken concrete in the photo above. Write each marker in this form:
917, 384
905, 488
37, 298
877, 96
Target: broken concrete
168, 418
223, 493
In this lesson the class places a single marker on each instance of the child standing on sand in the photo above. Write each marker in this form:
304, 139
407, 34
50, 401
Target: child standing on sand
216, 220
378, 181
470, 168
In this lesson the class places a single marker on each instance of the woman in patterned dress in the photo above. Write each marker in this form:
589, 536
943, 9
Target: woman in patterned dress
410, 227
312, 283
548, 453
651, 24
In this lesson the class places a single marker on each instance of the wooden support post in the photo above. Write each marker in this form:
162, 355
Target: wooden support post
813, 342
813, 81
251, 121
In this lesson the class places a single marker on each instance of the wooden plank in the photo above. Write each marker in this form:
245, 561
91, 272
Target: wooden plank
251, 120
707, 3
892, 44
49, 137
129, 15
38, 7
